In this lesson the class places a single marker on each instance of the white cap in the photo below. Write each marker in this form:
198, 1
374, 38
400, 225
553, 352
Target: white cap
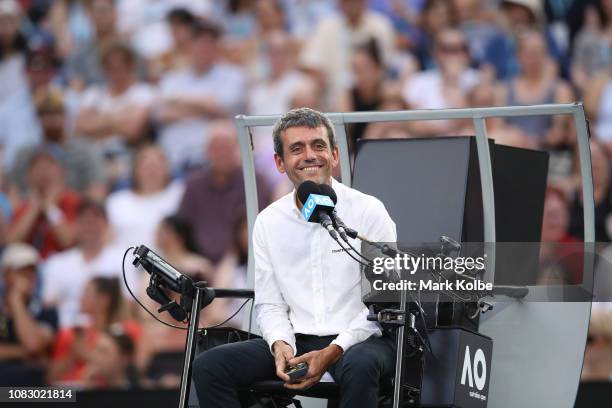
19, 255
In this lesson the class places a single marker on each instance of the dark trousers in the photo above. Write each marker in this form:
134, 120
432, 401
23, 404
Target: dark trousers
220, 372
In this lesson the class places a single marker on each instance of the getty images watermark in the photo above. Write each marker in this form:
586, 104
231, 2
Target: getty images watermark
538, 272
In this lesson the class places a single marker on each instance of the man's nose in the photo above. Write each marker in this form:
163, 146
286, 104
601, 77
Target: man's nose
309, 154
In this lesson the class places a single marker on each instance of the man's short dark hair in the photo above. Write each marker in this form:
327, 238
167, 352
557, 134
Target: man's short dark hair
301, 117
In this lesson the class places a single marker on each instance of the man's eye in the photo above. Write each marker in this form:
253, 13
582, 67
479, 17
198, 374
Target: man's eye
296, 149
320, 146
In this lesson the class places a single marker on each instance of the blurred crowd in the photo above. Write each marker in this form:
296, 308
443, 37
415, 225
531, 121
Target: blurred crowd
116, 130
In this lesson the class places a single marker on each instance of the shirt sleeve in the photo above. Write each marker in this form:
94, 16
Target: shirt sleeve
379, 227
272, 312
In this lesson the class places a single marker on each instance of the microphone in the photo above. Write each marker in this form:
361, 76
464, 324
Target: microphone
316, 207
344, 231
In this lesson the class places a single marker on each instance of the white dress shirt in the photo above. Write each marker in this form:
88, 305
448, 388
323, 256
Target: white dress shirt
304, 283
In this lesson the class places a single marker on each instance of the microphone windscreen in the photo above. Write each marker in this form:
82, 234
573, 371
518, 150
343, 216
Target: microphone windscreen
307, 188
328, 191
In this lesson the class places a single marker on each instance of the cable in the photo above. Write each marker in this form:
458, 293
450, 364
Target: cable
348, 252
358, 253
138, 301
250, 320
229, 318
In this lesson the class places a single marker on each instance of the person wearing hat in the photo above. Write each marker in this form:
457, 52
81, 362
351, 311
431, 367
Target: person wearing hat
518, 16
26, 329
46, 218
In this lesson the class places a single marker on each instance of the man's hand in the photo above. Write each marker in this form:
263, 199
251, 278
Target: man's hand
318, 363
282, 354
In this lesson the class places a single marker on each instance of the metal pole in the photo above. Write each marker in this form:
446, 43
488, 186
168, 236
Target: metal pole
190, 349
397, 385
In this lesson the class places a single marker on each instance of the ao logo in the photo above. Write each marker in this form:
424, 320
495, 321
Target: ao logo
472, 375
312, 202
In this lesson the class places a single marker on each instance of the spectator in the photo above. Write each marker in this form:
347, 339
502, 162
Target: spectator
175, 241
180, 21
535, 84
66, 273
26, 329
210, 88
144, 23
327, 52
592, 45
444, 87
14, 115
46, 218
214, 196
135, 213
102, 308
392, 100
272, 95
561, 259
598, 106
111, 363
84, 66
116, 115
365, 94
84, 165
436, 16
517, 17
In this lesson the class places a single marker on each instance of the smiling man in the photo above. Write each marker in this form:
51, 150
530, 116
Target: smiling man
307, 293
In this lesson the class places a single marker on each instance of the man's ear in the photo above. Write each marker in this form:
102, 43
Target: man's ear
280, 165
335, 156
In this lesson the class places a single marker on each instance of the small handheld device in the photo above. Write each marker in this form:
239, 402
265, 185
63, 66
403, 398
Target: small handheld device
295, 372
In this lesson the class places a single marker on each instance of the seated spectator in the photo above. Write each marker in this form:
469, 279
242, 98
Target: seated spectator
144, 23
444, 87
111, 362
84, 165
518, 17
561, 260
365, 94
272, 95
175, 242
135, 213
66, 273
46, 218
535, 84
83, 66
436, 16
591, 53
392, 100
190, 98
116, 115
598, 107
180, 21
26, 329
327, 52
16, 130
101, 307
214, 196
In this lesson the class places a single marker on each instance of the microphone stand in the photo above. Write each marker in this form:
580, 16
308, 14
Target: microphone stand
203, 296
